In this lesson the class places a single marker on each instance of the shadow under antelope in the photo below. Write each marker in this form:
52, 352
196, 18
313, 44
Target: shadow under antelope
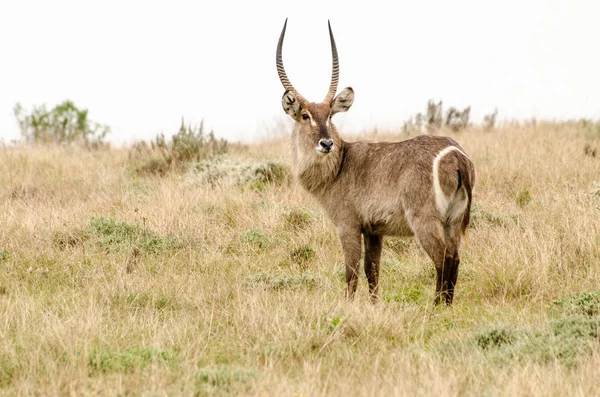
421, 186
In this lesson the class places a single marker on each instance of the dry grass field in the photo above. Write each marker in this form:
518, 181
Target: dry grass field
199, 283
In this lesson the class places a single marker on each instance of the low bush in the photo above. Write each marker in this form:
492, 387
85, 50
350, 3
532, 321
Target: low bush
64, 123
189, 145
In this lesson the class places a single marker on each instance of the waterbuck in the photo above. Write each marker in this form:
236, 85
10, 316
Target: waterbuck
421, 186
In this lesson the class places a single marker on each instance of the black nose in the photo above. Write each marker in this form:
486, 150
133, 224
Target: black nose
326, 144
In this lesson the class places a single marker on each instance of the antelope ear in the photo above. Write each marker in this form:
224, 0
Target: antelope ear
290, 104
343, 101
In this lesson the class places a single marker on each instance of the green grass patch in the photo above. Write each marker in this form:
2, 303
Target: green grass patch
523, 197
118, 235
8, 371
584, 304
297, 219
104, 360
222, 378
302, 254
407, 295
257, 238
495, 338
567, 339
4, 255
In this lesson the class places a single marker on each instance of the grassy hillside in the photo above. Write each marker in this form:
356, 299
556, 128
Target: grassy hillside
228, 279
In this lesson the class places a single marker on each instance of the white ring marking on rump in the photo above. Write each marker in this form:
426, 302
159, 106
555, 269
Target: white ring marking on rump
441, 200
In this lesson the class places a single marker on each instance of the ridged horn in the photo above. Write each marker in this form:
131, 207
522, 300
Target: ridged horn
335, 69
280, 69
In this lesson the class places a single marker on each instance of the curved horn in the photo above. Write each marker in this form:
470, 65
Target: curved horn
335, 69
282, 75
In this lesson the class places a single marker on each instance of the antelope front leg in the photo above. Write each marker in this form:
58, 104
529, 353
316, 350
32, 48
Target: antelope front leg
350, 239
373, 245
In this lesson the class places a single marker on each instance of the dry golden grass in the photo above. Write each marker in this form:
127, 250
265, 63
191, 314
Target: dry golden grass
116, 284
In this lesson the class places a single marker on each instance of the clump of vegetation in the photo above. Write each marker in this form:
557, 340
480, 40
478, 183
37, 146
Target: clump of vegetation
573, 335
270, 173
297, 219
489, 120
434, 116
523, 197
596, 189
103, 360
8, 369
222, 377
302, 254
257, 238
495, 338
583, 304
115, 235
456, 119
590, 127
226, 171
4, 255
589, 150
407, 295
413, 124
190, 144
119, 235
64, 123
434, 119
566, 341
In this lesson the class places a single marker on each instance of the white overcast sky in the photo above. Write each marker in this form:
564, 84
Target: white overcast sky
139, 66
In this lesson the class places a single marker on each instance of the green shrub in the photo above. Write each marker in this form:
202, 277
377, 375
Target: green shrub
495, 338
257, 238
297, 219
583, 304
190, 144
4, 255
103, 360
64, 123
222, 170
407, 295
573, 334
8, 370
222, 377
117, 235
302, 254
523, 197
576, 327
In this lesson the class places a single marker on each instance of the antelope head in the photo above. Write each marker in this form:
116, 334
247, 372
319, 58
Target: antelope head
314, 129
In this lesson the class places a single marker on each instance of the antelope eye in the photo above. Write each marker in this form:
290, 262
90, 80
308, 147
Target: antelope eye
305, 116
